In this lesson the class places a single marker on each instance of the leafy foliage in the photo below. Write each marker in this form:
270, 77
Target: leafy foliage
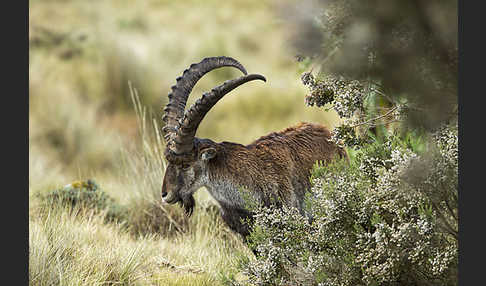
399, 52
374, 223
387, 215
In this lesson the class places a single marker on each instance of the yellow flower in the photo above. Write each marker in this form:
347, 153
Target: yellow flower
76, 184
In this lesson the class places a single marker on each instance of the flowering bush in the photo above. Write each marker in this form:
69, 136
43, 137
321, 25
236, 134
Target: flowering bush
386, 217
358, 103
404, 51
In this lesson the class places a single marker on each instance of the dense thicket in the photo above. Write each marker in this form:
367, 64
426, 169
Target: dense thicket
389, 214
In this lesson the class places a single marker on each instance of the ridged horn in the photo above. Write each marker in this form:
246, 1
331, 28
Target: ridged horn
174, 110
195, 114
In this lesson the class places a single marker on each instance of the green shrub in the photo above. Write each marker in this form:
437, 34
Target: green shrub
85, 195
386, 217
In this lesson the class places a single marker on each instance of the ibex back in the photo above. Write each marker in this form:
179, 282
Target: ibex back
274, 169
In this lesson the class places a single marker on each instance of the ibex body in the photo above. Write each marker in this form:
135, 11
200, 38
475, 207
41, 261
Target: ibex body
274, 169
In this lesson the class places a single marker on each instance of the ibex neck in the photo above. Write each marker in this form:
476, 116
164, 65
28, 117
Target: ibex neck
229, 195
230, 177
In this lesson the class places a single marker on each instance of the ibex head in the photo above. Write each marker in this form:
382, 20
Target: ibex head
188, 156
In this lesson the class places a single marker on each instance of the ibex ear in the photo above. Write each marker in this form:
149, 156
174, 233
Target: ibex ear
208, 153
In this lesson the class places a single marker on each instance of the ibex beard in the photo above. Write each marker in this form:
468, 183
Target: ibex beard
273, 170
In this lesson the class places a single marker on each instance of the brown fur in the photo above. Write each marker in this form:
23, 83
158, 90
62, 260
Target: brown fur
277, 164
275, 169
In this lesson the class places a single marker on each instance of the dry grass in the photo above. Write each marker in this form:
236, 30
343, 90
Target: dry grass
156, 245
71, 250
82, 125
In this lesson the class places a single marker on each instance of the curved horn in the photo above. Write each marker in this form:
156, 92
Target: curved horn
174, 110
194, 115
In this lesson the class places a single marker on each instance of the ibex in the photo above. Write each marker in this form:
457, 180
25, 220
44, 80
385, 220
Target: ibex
274, 169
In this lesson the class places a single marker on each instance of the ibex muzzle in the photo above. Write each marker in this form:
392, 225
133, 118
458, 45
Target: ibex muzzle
274, 169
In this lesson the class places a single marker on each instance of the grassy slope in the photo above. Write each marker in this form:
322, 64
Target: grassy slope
82, 124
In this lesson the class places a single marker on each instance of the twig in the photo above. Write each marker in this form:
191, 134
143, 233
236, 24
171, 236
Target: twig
376, 118
388, 122
382, 94
183, 268
178, 227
